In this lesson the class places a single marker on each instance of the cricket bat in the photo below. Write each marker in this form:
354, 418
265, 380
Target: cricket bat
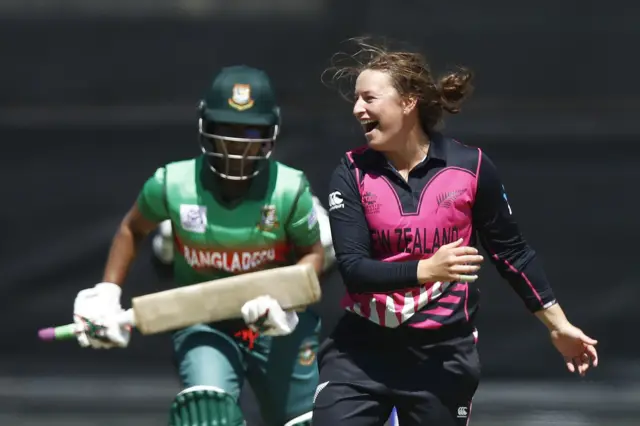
294, 287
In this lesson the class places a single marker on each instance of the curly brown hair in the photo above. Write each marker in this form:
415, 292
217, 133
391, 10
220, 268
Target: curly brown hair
411, 76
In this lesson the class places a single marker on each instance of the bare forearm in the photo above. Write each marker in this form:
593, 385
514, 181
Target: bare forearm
123, 252
553, 317
313, 256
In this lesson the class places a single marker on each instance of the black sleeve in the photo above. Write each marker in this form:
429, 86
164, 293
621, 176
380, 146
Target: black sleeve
500, 236
352, 243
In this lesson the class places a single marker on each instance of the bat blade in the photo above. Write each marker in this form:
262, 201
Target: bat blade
294, 287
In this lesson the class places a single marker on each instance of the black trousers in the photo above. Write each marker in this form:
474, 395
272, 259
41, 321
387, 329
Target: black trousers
366, 370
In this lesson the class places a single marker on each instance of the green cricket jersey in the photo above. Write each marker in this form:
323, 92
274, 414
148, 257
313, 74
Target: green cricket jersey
213, 240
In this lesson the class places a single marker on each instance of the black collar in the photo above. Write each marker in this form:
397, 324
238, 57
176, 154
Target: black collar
437, 147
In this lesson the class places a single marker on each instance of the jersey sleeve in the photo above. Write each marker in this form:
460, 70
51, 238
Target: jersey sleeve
325, 233
352, 242
302, 227
151, 200
500, 236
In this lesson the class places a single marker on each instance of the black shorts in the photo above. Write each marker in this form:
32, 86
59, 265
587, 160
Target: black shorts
366, 370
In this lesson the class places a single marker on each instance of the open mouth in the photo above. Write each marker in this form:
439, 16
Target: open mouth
369, 125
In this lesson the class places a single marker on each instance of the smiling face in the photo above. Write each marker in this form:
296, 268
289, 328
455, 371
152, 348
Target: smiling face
380, 109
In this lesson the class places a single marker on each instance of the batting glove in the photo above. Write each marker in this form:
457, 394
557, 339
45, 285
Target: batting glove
96, 312
265, 316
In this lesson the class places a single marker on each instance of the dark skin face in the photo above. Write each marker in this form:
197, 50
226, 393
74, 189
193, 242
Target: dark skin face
233, 190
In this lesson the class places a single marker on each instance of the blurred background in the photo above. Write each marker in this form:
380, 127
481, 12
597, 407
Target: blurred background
96, 94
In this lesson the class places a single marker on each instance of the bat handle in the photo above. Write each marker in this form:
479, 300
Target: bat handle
70, 331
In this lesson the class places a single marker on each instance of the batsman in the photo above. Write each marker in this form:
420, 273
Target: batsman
233, 210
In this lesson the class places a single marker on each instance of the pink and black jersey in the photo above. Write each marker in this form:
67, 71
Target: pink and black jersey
383, 225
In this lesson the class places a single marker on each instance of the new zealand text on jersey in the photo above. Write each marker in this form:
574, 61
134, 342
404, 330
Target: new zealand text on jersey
229, 261
412, 240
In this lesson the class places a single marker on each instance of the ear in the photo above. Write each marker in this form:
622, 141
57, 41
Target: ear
409, 104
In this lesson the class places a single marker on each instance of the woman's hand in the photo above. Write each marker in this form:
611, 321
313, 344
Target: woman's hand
451, 262
577, 349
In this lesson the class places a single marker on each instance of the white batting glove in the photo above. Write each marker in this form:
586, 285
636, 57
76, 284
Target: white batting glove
162, 242
97, 312
265, 316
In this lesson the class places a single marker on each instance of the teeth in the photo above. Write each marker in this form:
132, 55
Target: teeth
367, 121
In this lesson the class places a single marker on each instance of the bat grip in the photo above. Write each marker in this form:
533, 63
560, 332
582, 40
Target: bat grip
70, 331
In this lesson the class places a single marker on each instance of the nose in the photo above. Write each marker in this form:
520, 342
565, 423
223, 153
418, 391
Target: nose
236, 148
358, 108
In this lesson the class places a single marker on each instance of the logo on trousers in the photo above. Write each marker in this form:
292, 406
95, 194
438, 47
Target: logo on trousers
307, 355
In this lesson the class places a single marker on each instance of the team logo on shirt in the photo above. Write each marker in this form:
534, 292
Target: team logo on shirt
268, 218
307, 355
446, 199
241, 97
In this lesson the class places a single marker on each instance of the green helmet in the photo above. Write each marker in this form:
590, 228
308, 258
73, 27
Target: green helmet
239, 122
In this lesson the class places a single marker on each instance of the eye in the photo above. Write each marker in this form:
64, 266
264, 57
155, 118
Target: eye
251, 133
367, 98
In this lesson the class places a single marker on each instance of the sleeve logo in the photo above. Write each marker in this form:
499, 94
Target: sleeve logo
335, 201
312, 219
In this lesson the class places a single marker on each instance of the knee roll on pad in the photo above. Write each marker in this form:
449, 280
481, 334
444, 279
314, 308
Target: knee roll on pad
303, 420
205, 406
